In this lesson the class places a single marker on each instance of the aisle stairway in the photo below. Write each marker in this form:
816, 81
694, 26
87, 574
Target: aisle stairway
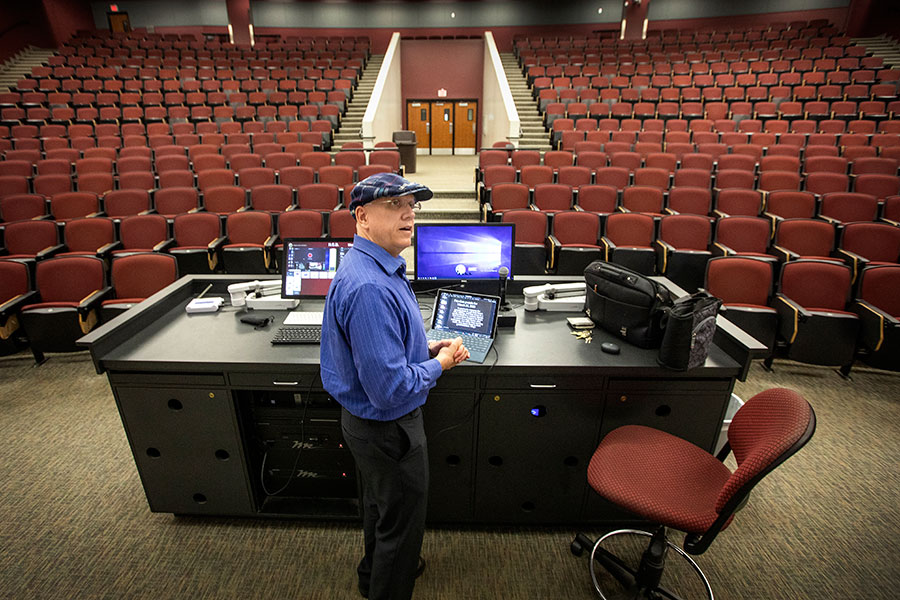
886, 47
534, 135
20, 65
351, 122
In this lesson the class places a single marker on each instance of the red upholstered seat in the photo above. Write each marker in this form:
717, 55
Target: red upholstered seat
670, 481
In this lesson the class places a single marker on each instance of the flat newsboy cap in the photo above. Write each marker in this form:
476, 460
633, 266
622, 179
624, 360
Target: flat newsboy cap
386, 185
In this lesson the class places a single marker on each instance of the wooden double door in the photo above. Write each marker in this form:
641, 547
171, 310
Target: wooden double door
443, 126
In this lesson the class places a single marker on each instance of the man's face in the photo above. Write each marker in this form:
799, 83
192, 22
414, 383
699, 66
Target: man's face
389, 226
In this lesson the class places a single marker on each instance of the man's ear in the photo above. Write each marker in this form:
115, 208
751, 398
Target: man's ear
361, 217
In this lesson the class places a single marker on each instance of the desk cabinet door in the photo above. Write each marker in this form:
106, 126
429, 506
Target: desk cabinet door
533, 451
187, 449
450, 428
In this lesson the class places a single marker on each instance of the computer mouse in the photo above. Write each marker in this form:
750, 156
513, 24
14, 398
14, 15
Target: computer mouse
609, 348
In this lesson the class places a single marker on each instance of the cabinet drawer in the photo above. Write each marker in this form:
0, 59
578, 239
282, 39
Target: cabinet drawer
298, 380
543, 381
673, 385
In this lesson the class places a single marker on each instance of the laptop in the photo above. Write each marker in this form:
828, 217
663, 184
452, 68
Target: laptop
307, 268
473, 317
308, 265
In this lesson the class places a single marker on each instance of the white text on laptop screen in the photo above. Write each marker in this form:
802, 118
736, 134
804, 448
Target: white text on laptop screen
465, 313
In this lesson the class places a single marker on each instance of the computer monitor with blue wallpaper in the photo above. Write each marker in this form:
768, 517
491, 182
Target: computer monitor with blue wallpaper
446, 252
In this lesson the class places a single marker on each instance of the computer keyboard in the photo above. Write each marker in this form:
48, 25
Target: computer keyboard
298, 334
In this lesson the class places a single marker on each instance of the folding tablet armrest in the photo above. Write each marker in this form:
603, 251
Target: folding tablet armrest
553, 246
783, 254
87, 308
49, 251
875, 323
663, 251
857, 263
105, 250
164, 245
608, 247
790, 315
719, 249
9, 309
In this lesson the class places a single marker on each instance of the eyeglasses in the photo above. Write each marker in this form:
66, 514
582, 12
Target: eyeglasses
402, 203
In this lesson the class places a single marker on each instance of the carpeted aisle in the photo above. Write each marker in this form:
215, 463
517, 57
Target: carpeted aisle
76, 524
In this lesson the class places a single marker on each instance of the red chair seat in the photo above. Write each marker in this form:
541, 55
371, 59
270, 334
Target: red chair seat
244, 245
580, 246
626, 470
121, 301
41, 305
830, 311
742, 305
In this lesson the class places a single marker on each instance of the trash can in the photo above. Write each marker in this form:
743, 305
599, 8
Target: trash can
406, 144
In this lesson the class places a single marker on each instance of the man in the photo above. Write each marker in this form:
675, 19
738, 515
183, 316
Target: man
377, 363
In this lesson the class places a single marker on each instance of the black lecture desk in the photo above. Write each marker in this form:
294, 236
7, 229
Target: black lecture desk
221, 422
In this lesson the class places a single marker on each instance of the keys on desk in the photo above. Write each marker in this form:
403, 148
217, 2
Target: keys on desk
583, 334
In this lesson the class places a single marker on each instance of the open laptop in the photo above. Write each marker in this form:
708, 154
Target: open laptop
307, 267
473, 317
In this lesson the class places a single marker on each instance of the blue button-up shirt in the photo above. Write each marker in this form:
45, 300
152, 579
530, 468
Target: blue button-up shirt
374, 352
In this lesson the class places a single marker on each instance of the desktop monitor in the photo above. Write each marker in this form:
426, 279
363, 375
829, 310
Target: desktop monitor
463, 251
308, 265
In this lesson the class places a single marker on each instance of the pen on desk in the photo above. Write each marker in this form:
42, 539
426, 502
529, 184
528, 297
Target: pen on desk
206, 289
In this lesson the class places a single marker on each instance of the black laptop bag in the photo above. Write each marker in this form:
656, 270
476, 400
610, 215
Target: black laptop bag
626, 303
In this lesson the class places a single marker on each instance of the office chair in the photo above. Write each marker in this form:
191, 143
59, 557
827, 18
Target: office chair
675, 484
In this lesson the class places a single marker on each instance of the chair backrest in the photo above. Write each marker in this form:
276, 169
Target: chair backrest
175, 200
739, 280
598, 198
300, 223
14, 280
744, 234
88, 235
341, 224
318, 196
508, 196
142, 275
874, 241
552, 197
770, 428
143, 232
69, 278
878, 286
196, 229
847, 207
643, 199
580, 228
630, 229
271, 198
22, 207
531, 225
224, 199
250, 227
690, 200
119, 203
816, 284
790, 204
30, 237
685, 232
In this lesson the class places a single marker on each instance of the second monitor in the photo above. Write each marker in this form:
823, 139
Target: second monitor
462, 252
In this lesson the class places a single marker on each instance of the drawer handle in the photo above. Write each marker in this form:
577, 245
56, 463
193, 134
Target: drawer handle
542, 386
285, 383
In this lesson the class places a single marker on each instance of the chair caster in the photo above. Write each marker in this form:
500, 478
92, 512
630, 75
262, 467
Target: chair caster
580, 544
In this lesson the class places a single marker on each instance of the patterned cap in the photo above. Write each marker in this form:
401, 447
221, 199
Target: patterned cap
386, 185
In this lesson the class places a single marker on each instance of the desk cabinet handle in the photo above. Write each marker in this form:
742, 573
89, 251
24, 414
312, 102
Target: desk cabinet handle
285, 383
547, 386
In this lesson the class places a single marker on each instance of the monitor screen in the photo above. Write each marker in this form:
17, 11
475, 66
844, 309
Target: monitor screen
308, 265
463, 250
465, 312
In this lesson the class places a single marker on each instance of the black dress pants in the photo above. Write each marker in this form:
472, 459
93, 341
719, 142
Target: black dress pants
392, 459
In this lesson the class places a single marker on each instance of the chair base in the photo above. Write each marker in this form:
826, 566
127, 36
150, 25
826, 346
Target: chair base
642, 583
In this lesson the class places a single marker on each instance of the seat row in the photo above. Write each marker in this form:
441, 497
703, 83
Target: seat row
203, 242
837, 207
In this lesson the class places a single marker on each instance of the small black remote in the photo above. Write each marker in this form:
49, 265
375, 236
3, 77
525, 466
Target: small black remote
609, 348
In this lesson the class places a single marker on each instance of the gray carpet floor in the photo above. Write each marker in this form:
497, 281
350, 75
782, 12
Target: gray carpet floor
75, 522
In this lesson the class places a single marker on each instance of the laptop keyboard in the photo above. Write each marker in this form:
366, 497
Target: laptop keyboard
472, 342
298, 334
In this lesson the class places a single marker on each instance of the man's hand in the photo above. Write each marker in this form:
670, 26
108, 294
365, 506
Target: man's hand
449, 352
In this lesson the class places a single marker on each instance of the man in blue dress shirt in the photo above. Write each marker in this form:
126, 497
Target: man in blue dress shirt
377, 363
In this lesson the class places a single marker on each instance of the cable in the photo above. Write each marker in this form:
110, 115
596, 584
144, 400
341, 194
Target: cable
262, 472
477, 402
